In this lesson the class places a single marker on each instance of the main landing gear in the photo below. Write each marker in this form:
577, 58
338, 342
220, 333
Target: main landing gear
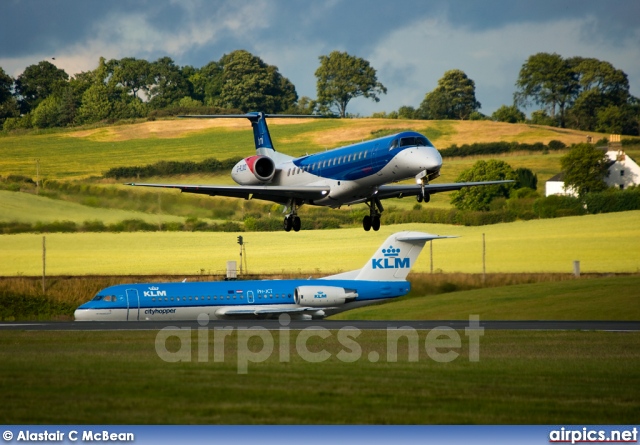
292, 220
372, 220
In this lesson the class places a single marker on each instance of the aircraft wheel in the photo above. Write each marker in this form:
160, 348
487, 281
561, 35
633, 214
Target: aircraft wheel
287, 224
419, 197
375, 222
427, 197
296, 224
366, 223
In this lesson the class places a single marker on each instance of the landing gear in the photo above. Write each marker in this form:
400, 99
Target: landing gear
420, 197
292, 220
423, 195
372, 220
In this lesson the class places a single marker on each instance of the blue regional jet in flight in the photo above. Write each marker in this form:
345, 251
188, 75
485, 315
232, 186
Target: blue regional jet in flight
354, 174
381, 278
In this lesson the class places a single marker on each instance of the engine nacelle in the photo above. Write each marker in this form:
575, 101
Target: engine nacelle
254, 170
323, 296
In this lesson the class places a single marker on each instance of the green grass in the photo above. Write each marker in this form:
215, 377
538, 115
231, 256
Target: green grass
520, 378
25, 207
65, 156
612, 298
602, 243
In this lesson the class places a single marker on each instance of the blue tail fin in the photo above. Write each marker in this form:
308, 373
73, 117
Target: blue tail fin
261, 135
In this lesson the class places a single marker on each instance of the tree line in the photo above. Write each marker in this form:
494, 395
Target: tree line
46, 96
581, 93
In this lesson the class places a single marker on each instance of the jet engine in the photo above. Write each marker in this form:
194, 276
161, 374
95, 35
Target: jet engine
323, 296
254, 170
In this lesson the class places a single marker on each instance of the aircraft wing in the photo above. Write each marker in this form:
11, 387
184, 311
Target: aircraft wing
398, 191
279, 194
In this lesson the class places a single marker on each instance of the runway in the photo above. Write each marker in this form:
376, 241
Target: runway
518, 325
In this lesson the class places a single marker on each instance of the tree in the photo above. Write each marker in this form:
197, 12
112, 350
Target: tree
207, 82
47, 113
252, 85
525, 178
95, 104
453, 98
406, 112
585, 168
8, 104
601, 86
510, 114
548, 80
342, 77
479, 198
132, 74
304, 106
169, 84
37, 82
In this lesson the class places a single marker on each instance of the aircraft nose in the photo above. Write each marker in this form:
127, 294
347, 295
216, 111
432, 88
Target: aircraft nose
80, 315
429, 159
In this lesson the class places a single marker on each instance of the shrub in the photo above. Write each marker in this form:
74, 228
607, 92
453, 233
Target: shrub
555, 206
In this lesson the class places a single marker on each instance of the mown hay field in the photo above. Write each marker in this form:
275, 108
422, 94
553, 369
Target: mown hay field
602, 243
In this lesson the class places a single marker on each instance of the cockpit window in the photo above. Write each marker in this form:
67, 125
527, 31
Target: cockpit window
419, 141
105, 298
394, 144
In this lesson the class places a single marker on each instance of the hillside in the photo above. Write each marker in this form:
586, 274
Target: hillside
77, 154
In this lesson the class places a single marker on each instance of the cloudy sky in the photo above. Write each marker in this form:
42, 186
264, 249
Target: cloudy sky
411, 43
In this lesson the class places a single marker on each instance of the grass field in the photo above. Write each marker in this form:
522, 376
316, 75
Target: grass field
609, 298
520, 378
82, 153
602, 243
25, 207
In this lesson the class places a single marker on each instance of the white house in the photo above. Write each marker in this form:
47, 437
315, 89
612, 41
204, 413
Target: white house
623, 172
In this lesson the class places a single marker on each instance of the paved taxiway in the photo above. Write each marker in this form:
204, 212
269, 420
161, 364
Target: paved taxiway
326, 324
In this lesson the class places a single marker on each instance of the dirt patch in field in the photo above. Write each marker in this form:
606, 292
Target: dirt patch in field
469, 132
361, 129
166, 129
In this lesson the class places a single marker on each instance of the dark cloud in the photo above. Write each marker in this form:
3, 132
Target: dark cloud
293, 34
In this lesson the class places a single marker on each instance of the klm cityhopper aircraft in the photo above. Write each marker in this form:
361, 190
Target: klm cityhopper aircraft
348, 175
382, 277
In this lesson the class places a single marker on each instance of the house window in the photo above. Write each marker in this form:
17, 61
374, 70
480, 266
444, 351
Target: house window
621, 172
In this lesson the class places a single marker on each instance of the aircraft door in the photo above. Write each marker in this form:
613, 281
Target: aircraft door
133, 305
250, 296
377, 159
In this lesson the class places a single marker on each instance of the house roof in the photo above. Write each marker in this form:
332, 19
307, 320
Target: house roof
557, 178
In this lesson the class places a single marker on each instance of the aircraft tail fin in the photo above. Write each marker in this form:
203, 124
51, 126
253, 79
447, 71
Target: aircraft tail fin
396, 256
261, 136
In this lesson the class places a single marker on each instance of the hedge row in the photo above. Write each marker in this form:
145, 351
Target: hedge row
165, 168
31, 307
492, 148
129, 225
